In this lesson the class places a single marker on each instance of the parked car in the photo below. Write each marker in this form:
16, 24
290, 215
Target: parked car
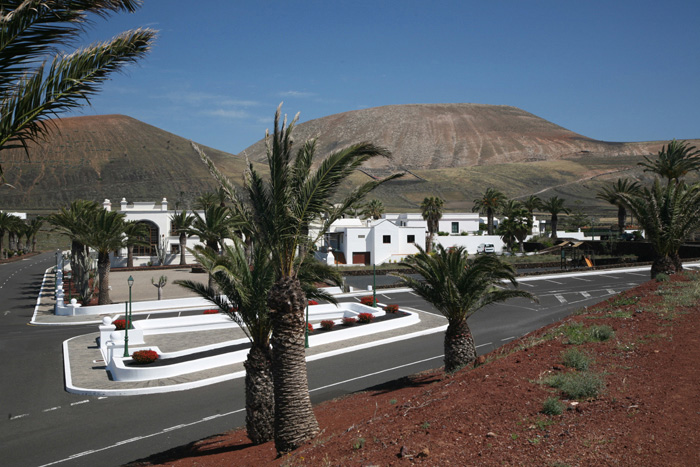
485, 248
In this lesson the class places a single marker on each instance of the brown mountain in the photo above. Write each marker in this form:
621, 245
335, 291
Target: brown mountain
440, 136
108, 156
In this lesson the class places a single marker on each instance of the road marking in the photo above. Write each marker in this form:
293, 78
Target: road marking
611, 291
560, 298
80, 402
8, 311
51, 409
586, 294
525, 284
550, 280
15, 417
508, 338
176, 427
638, 274
81, 454
582, 279
611, 277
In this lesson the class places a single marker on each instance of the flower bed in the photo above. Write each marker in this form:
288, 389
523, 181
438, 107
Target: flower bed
211, 312
310, 327
367, 300
313, 302
327, 324
349, 321
120, 324
144, 357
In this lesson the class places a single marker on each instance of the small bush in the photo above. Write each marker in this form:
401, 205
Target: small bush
144, 357
211, 312
662, 277
349, 321
574, 358
310, 327
601, 333
365, 318
313, 302
121, 324
443, 234
327, 324
391, 308
367, 300
576, 385
552, 406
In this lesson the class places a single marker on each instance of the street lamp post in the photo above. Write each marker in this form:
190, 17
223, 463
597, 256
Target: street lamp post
128, 312
374, 284
306, 333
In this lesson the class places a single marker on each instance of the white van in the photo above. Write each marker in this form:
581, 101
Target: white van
485, 248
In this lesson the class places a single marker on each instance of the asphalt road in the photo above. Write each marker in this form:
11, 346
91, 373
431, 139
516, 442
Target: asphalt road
44, 425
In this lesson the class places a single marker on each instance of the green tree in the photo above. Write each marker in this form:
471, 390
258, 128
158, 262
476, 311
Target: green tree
431, 210
668, 216
37, 82
106, 234
516, 227
373, 209
180, 223
136, 234
555, 206
674, 161
5, 224
612, 195
281, 210
489, 203
458, 287
243, 284
72, 222
533, 203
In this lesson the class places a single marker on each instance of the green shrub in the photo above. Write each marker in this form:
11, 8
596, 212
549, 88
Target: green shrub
574, 358
552, 406
576, 385
601, 333
662, 277
577, 334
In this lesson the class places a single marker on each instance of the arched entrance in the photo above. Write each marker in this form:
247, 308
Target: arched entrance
152, 238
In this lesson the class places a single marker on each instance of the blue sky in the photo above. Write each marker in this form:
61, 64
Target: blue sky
610, 70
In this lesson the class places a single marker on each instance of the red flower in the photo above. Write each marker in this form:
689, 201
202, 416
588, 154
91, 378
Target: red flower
367, 300
310, 326
313, 302
211, 312
327, 324
144, 357
365, 317
391, 308
121, 324
349, 321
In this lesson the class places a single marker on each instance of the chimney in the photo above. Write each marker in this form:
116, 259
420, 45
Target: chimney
107, 205
164, 205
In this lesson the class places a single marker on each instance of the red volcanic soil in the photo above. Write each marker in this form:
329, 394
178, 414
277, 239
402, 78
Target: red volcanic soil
646, 414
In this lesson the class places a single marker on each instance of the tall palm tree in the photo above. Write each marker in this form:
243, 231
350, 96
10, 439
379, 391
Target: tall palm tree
458, 287
555, 206
281, 210
37, 82
431, 210
180, 224
612, 195
511, 206
668, 216
136, 234
244, 284
16, 231
516, 227
106, 234
674, 161
373, 209
489, 203
212, 227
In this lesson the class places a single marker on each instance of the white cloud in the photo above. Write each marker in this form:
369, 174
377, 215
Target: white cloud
300, 94
227, 113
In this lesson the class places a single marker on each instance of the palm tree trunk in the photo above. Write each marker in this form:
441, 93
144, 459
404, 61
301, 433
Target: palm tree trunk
295, 421
555, 221
103, 270
259, 395
183, 244
489, 219
664, 265
429, 242
459, 346
2, 242
621, 218
130, 256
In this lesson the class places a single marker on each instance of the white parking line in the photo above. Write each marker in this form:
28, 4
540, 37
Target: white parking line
611, 291
550, 280
51, 409
560, 298
582, 279
586, 294
15, 417
80, 402
611, 277
525, 284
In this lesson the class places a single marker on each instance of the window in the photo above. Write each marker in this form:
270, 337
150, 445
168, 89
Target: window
360, 236
411, 239
455, 227
175, 248
386, 238
151, 238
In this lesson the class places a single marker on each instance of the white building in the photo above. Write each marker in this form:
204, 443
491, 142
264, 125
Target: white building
157, 218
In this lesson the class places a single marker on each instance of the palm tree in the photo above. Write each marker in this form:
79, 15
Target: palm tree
136, 234
373, 209
555, 206
489, 203
281, 210
5, 224
511, 206
612, 195
674, 161
106, 234
33, 229
180, 224
516, 227
244, 289
668, 216
532, 203
459, 287
431, 210
213, 227
37, 82
71, 221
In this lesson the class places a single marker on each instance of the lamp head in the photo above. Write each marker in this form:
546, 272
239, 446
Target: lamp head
130, 280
